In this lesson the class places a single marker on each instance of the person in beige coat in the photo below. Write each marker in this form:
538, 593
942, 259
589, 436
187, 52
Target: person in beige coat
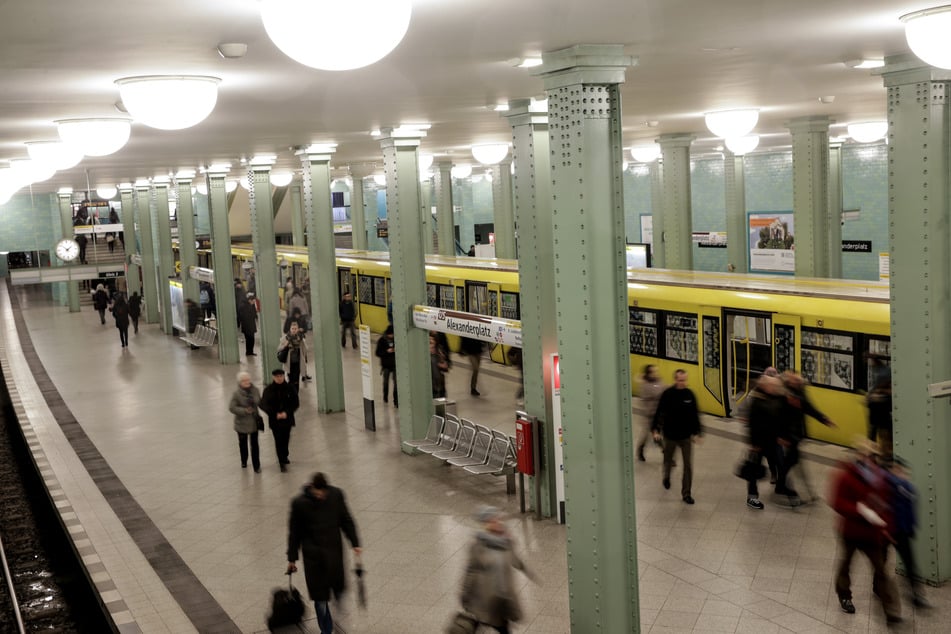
649, 389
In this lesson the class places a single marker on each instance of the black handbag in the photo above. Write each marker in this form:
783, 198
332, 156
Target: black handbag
751, 467
259, 421
282, 354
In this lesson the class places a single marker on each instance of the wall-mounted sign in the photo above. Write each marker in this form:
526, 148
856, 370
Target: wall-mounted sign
201, 274
482, 327
856, 246
710, 239
382, 229
771, 242
884, 267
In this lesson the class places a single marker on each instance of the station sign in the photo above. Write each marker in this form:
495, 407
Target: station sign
201, 274
474, 326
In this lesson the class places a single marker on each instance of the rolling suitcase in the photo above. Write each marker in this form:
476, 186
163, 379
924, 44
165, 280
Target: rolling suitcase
287, 607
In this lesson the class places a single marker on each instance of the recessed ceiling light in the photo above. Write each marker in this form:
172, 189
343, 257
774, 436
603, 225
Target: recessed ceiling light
865, 63
232, 50
530, 62
501, 107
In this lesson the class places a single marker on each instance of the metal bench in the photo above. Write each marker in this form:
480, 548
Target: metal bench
201, 338
464, 442
499, 463
480, 449
447, 439
432, 434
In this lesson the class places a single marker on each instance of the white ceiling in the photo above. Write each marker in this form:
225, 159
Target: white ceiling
59, 60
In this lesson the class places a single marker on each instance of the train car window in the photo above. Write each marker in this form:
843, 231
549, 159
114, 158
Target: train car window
785, 346
493, 303
460, 298
447, 297
828, 358
366, 289
379, 291
878, 360
477, 299
510, 306
345, 281
711, 357
432, 295
643, 326
680, 336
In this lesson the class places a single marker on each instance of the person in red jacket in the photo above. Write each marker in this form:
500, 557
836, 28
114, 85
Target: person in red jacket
860, 497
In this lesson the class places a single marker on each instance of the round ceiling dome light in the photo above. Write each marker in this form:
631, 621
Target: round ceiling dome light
56, 154
425, 162
201, 187
868, 131
27, 171
95, 137
169, 102
490, 153
380, 180
379, 26
281, 179
741, 145
732, 123
645, 153
927, 35
463, 170
106, 192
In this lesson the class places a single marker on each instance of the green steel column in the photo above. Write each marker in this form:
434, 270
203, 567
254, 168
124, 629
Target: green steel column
408, 275
658, 255
919, 159
426, 213
675, 205
133, 280
358, 216
166, 258
835, 210
318, 212
736, 229
445, 235
297, 216
143, 203
66, 223
466, 213
269, 278
810, 155
227, 310
536, 264
591, 303
186, 234
504, 216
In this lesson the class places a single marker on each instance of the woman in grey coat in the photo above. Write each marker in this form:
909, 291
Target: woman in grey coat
244, 405
650, 387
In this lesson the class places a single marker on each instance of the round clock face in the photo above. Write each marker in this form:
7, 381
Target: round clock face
67, 250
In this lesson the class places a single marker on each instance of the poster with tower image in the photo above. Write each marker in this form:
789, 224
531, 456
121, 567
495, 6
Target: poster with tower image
771, 242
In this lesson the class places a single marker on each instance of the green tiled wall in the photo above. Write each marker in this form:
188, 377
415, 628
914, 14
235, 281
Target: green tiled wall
708, 202
29, 223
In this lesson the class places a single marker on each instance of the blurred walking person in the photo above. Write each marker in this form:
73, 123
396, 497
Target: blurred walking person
135, 310
649, 389
677, 420
120, 312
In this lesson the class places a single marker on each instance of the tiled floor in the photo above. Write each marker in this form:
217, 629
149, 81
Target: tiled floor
157, 414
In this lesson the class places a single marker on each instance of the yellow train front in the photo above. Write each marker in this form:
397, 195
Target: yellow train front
724, 329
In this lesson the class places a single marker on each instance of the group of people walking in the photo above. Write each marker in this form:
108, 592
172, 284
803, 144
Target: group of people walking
124, 311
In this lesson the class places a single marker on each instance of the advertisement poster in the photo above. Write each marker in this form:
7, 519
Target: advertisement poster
179, 319
772, 244
647, 230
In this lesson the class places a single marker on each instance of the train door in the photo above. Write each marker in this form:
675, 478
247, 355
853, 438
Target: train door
477, 298
786, 342
711, 343
345, 282
748, 341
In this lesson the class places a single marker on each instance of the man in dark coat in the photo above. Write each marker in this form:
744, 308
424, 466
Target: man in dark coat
679, 419
348, 315
766, 402
318, 516
247, 322
100, 300
135, 310
386, 351
472, 348
280, 401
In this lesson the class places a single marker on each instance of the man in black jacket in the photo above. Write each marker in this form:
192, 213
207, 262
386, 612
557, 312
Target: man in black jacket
386, 351
280, 401
348, 315
679, 419
766, 403
318, 516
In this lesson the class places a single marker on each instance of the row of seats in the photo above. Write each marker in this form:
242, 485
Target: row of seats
475, 448
201, 338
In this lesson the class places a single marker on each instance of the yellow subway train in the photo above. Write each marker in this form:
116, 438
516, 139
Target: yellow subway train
724, 329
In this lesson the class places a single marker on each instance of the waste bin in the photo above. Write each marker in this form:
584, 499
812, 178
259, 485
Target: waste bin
524, 446
443, 406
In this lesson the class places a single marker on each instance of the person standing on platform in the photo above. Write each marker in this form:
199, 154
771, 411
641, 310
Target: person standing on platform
280, 402
100, 300
679, 419
766, 401
248, 322
120, 312
293, 340
386, 351
318, 517
348, 315
472, 348
438, 366
135, 310
244, 405
649, 390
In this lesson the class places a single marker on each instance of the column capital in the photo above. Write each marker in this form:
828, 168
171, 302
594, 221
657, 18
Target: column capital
811, 123
584, 64
520, 112
401, 137
62, 196
125, 188
675, 139
317, 153
443, 163
909, 69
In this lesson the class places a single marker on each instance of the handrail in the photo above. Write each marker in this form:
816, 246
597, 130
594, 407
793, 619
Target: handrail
13, 595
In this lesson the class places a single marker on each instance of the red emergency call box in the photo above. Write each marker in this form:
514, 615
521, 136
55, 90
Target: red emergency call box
524, 445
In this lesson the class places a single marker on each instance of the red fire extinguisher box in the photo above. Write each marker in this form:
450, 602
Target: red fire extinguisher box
524, 453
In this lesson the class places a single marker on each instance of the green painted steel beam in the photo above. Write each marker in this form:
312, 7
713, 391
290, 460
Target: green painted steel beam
149, 269
676, 206
834, 233
297, 216
358, 216
187, 252
810, 155
658, 253
130, 241
737, 235
442, 186
227, 312
504, 212
268, 277
166, 258
66, 225
426, 214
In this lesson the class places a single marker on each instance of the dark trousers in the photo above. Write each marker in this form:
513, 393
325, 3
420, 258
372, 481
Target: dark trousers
387, 373
325, 620
344, 327
882, 585
248, 343
102, 314
475, 360
686, 455
124, 336
282, 438
789, 458
135, 324
772, 458
903, 548
243, 448
293, 370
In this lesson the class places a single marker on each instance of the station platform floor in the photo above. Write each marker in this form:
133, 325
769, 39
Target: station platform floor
137, 448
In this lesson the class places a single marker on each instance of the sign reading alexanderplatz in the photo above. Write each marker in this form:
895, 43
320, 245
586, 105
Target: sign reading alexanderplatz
483, 327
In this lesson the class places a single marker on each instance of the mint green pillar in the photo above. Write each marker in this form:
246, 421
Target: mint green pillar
675, 203
504, 214
408, 275
318, 212
269, 277
737, 234
143, 204
442, 186
536, 276
584, 110
834, 236
66, 224
297, 216
133, 277
166, 258
919, 160
658, 255
227, 313
426, 214
810, 155
358, 217
187, 253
